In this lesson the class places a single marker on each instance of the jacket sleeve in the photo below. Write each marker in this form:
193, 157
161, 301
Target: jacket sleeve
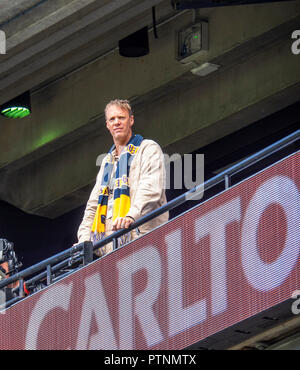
84, 230
150, 187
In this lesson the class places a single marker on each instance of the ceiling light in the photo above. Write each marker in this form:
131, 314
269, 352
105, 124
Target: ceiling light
205, 69
18, 107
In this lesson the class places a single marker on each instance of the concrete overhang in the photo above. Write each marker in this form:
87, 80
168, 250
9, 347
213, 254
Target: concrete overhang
66, 54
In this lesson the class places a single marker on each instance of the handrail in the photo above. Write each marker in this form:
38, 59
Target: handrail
84, 251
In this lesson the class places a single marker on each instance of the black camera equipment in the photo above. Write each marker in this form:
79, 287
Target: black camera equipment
7, 254
9, 265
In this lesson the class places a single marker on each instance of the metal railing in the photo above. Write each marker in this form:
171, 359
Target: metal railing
62, 264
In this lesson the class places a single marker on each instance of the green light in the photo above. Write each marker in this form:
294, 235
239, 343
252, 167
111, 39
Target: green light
195, 37
15, 112
18, 107
46, 138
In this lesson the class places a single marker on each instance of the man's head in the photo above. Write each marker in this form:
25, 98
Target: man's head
119, 120
123, 104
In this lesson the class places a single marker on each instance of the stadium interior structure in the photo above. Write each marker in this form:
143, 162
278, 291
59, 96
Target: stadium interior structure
229, 93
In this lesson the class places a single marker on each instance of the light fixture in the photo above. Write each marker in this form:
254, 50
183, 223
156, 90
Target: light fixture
18, 107
135, 45
205, 69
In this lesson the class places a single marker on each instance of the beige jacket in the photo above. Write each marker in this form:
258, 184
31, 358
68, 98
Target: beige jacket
147, 191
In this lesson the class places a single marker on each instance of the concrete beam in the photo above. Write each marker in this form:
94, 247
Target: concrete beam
63, 31
179, 110
66, 106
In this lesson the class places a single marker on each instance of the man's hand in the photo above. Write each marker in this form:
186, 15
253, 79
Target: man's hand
122, 223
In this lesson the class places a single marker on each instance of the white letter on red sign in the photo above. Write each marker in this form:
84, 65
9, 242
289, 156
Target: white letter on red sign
147, 258
180, 318
95, 303
57, 296
266, 276
214, 223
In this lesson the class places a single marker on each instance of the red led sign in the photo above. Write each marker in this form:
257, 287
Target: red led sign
226, 260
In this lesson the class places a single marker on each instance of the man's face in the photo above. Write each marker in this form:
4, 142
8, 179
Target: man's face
119, 124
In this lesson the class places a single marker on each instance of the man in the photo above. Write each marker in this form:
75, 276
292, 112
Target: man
130, 182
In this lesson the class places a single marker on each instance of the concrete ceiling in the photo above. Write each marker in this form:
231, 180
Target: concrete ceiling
66, 53
39, 32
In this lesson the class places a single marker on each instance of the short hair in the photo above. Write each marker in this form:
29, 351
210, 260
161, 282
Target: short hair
123, 104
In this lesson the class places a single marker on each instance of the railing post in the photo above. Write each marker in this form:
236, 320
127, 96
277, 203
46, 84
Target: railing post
115, 243
21, 288
49, 275
87, 252
227, 181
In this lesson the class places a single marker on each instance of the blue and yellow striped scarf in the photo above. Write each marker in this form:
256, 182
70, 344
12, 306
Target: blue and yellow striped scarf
121, 194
